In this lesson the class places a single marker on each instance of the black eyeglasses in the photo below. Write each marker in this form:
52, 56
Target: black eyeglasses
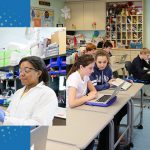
27, 70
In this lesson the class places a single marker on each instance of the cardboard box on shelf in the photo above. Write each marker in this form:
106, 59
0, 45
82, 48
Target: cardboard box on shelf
59, 37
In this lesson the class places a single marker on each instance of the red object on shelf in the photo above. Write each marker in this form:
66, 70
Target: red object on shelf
75, 41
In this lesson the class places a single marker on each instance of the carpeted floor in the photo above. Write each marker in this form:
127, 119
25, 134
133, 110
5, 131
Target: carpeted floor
141, 137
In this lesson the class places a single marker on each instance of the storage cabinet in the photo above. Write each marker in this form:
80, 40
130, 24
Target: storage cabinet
56, 66
94, 15
76, 20
123, 28
99, 15
89, 15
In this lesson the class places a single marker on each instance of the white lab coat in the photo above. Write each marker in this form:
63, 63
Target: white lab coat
36, 107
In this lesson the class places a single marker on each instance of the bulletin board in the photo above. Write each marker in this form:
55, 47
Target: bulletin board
41, 17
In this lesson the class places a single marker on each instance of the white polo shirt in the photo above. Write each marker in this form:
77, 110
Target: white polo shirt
75, 80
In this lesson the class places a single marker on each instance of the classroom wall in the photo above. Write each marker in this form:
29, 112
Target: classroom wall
146, 23
56, 5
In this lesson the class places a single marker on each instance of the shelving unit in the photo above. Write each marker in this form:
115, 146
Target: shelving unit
125, 29
56, 66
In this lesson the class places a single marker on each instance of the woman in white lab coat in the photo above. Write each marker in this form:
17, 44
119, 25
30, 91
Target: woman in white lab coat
35, 103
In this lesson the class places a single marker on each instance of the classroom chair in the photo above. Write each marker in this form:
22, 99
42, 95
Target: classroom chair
130, 77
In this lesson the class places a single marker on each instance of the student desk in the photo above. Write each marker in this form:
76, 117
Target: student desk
132, 91
113, 110
82, 127
117, 66
52, 145
60, 116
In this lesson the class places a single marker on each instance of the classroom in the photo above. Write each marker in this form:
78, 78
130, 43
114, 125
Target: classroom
121, 29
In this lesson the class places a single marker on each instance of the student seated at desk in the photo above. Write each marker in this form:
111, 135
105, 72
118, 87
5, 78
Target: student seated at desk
77, 83
138, 65
107, 47
102, 79
90, 49
102, 75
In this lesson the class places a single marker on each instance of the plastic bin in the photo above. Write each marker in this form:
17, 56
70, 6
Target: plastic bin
63, 61
55, 62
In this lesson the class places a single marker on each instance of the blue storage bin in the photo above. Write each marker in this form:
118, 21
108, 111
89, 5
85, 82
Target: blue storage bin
63, 61
2, 100
54, 62
54, 71
133, 45
9, 75
62, 70
138, 45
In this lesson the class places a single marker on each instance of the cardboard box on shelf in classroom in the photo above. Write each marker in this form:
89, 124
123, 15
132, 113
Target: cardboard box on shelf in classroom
59, 37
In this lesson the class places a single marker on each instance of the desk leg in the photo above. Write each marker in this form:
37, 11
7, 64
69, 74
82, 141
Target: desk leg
129, 128
132, 122
140, 126
111, 135
141, 114
129, 122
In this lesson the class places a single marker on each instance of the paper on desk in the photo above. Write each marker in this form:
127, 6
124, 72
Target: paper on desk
119, 81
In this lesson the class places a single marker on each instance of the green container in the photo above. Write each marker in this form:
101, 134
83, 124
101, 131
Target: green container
2, 62
8, 53
7, 62
1, 55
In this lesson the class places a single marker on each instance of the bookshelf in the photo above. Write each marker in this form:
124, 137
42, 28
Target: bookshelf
123, 28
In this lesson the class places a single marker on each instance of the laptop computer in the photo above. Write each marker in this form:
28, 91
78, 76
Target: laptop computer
38, 137
105, 100
122, 59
